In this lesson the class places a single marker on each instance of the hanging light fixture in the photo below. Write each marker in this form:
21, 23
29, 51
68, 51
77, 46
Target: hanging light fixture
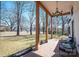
57, 12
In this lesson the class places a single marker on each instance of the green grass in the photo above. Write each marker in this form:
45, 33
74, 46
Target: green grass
43, 36
13, 44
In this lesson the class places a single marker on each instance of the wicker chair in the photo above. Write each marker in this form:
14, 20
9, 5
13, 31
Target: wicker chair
67, 47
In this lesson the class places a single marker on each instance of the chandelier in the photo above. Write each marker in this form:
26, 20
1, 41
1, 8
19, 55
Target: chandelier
57, 12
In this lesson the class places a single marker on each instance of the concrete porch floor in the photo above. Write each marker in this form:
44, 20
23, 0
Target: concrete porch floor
49, 49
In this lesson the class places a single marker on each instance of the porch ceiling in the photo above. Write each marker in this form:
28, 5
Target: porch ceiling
64, 6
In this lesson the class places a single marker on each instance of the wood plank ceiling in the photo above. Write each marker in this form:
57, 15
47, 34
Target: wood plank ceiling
64, 6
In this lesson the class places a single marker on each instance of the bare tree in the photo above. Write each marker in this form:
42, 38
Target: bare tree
19, 12
43, 27
42, 20
21, 8
18, 16
62, 25
8, 17
10, 23
65, 20
31, 15
49, 23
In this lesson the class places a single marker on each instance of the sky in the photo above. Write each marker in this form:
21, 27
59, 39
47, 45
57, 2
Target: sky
10, 5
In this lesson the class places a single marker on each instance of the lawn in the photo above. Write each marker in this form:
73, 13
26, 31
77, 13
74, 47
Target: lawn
10, 44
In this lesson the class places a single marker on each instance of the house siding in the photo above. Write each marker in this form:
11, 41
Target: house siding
76, 23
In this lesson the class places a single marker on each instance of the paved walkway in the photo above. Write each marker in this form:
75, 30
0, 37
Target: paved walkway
49, 49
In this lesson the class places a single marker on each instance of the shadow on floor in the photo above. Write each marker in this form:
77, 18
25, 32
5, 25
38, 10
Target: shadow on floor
31, 54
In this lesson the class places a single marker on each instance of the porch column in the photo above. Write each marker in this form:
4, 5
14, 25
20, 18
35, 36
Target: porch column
51, 28
37, 25
46, 27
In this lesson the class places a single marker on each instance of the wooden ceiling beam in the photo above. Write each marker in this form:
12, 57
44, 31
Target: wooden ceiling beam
62, 14
41, 5
46, 10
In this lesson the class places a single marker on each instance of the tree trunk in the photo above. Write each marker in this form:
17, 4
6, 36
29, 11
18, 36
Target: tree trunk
18, 19
57, 26
39, 28
11, 28
43, 28
62, 26
31, 29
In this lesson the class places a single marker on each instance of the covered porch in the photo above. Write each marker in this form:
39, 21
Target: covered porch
51, 47
48, 47
50, 7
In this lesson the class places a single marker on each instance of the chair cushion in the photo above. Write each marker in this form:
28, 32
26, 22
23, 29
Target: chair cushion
65, 49
68, 46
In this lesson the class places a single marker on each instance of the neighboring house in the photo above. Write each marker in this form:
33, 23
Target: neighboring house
4, 28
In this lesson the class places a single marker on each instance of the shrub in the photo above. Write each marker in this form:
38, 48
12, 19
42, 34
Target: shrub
65, 33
